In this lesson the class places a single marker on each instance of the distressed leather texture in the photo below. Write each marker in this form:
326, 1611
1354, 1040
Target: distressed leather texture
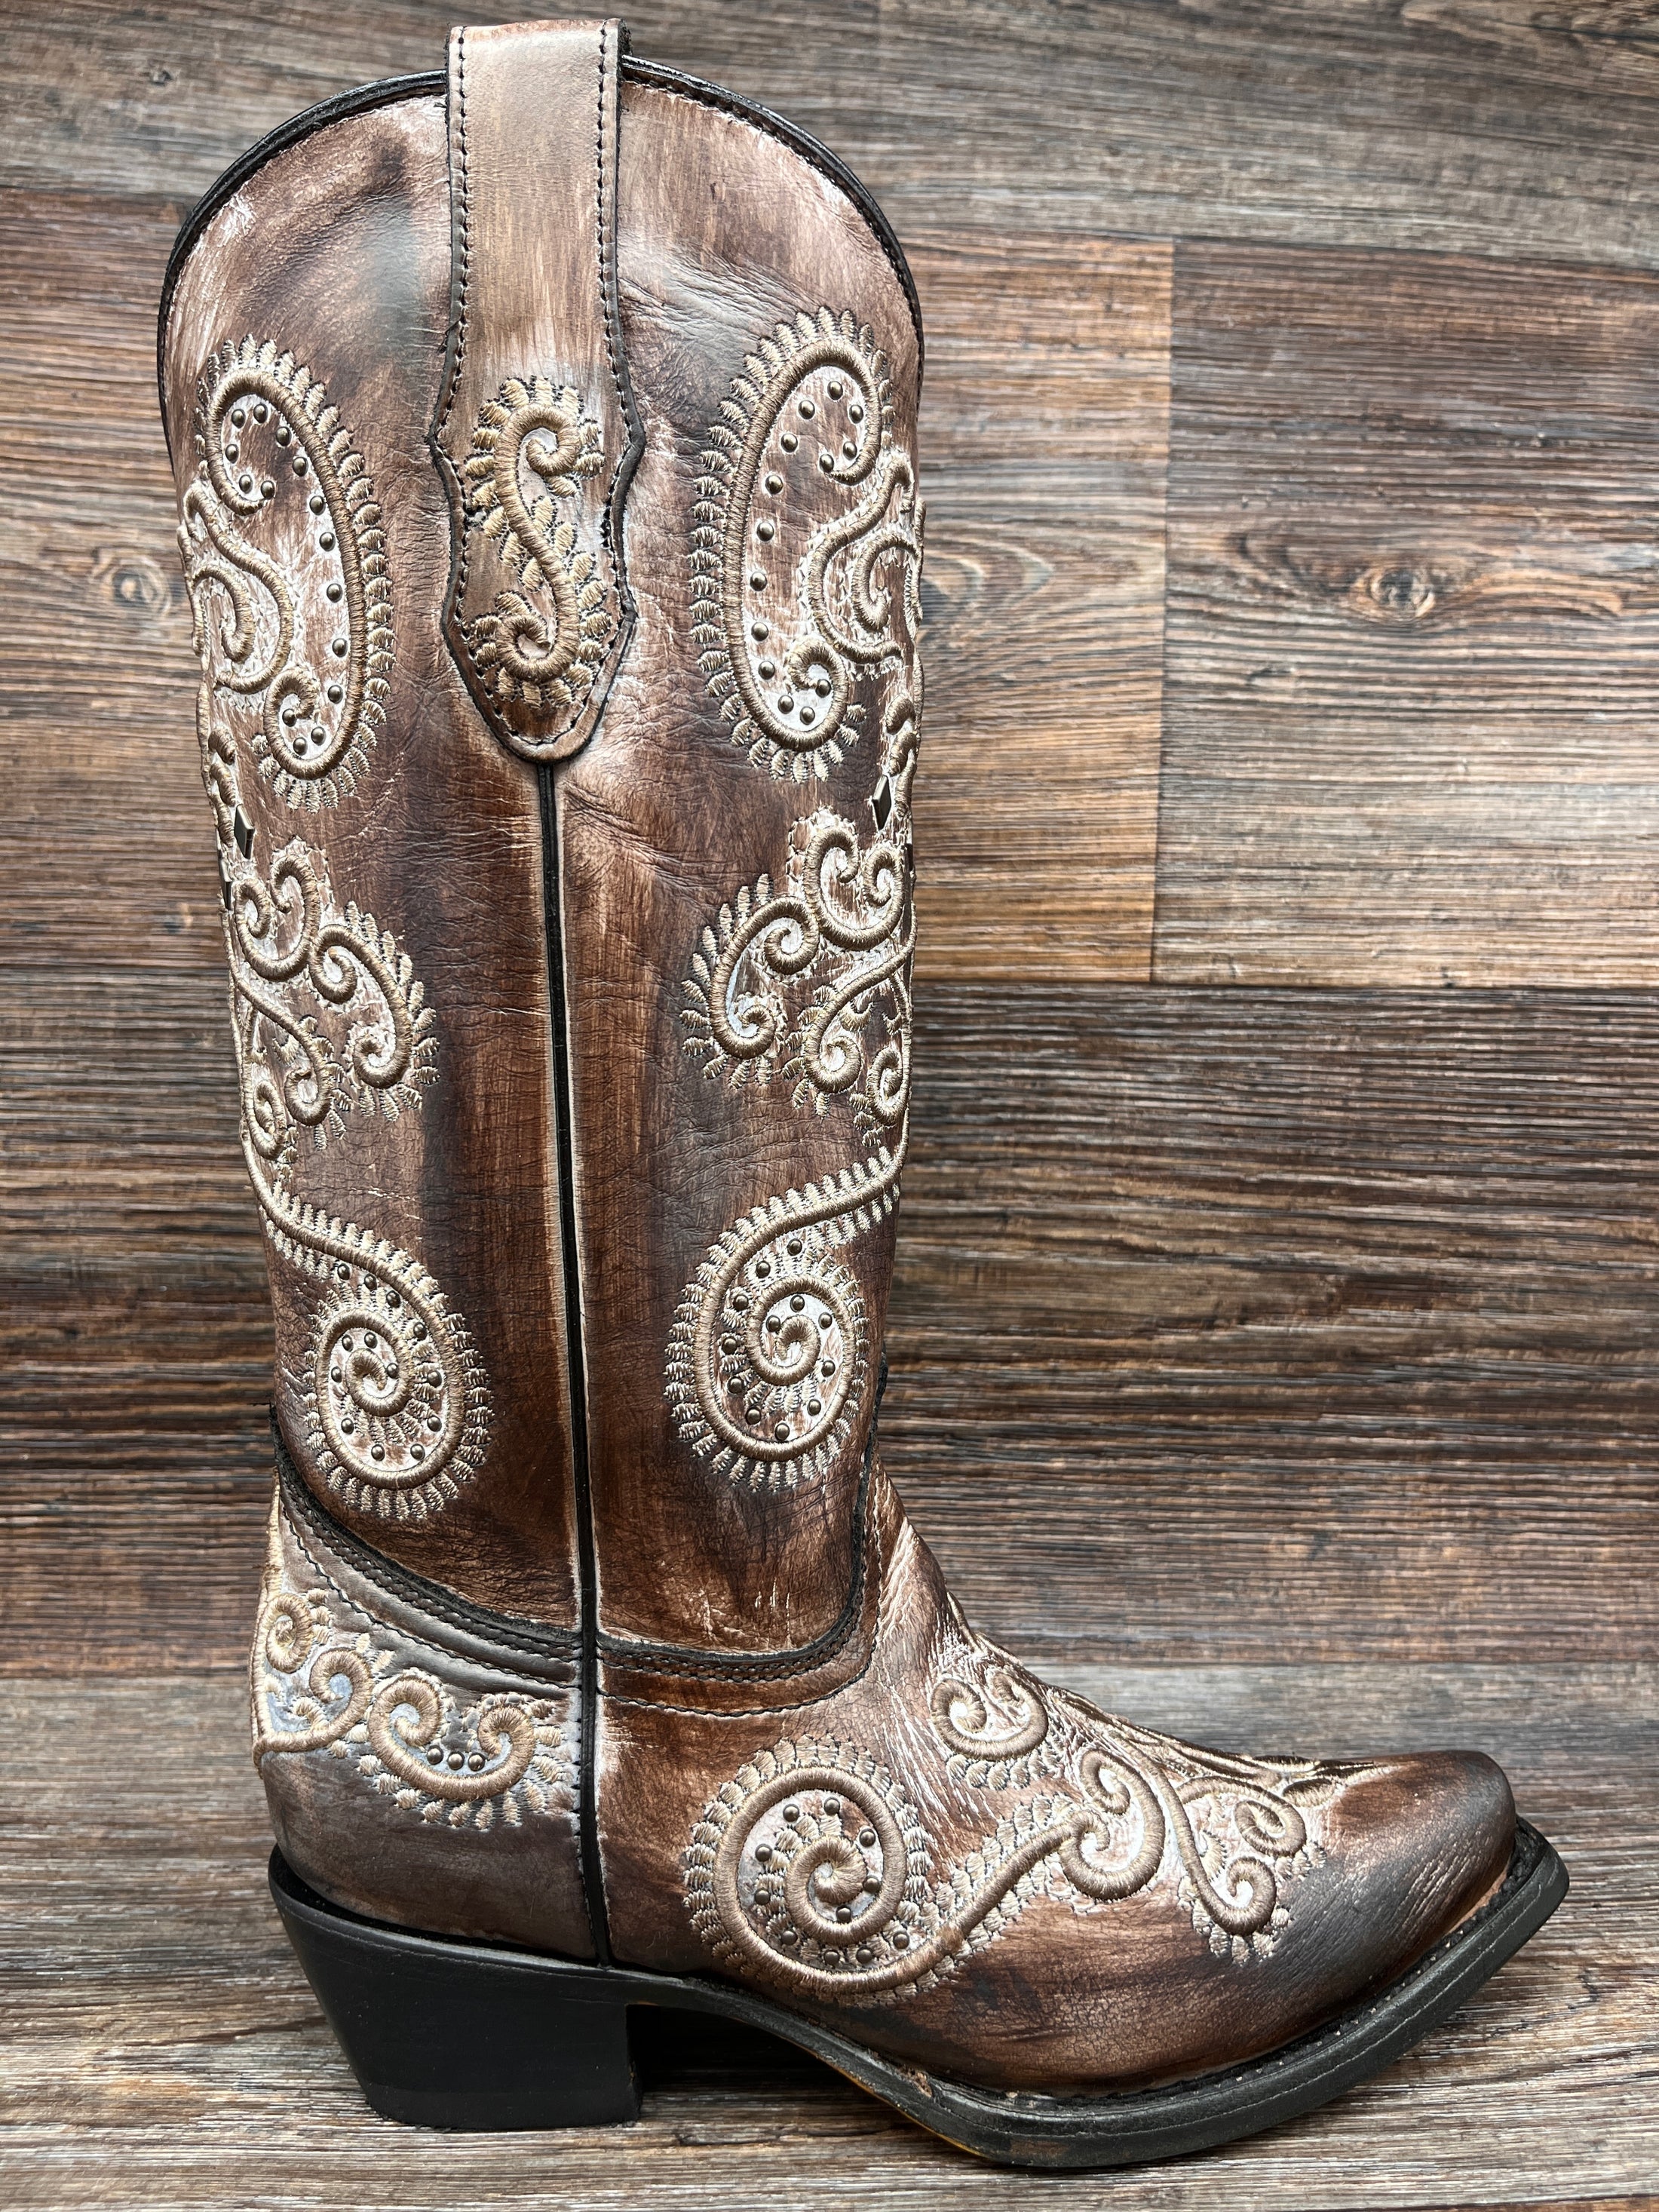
536, 430
574, 1047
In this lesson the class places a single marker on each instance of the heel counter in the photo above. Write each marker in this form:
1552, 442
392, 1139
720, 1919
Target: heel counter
414, 1773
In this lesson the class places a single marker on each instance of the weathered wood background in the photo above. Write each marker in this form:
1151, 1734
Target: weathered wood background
1276, 1343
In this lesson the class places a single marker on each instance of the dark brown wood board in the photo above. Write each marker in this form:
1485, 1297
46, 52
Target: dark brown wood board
161, 2048
1277, 1323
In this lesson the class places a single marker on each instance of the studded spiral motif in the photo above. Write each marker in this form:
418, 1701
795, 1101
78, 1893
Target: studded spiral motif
285, 563
813, 1868
805, 566
463, 1758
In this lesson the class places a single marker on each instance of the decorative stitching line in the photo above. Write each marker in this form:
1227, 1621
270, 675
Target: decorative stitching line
794, 1705
426, 83
598, 232
403, 1586
524, 1718
466, 227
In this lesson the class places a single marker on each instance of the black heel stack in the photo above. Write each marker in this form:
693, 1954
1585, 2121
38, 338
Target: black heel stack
443, 2033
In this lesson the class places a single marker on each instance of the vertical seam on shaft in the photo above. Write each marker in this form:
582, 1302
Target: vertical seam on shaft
592, 1872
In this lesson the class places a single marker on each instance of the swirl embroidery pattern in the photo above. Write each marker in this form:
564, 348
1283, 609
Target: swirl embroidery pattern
328, 1016
768, 1362
791, 608
305, 685
812, 1868
547, 653
317, 1685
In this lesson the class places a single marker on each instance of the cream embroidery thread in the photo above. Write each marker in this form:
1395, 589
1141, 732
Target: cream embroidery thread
812, 1868
768, 1362
319, 1687
328, 1016
543, 641
791, 608
262, 422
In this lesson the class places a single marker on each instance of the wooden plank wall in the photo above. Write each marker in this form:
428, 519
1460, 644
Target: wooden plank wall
1276, 1340
1278, 1272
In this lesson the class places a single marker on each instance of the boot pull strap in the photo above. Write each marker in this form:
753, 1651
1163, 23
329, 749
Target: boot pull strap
535, 430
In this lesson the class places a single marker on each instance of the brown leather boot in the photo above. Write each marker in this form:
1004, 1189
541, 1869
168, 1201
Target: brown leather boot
545, 438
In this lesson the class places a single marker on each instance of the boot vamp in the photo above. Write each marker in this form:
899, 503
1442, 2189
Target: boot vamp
958, 1864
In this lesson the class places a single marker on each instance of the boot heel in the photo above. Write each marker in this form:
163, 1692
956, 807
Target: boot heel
442, 2033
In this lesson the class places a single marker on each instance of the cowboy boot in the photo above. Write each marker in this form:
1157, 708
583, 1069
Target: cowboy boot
544, 439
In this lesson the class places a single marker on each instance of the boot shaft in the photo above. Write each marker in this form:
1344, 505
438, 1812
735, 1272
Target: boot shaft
544, 441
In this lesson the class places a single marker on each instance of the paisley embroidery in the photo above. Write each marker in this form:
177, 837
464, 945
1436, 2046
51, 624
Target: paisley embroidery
396, 1409
795, 611
328, 1016
467, 1761
768, 1364
767, 1361
542, 643
839, 922
294, 634
813, 1868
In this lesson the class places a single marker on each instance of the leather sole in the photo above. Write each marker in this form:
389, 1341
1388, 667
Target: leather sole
446, 2033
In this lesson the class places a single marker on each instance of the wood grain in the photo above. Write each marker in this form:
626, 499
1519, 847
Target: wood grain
1261, 1325
1482, 126
1235, 1326
1411, 673
163, 2049
1227, 1325
1042, 448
